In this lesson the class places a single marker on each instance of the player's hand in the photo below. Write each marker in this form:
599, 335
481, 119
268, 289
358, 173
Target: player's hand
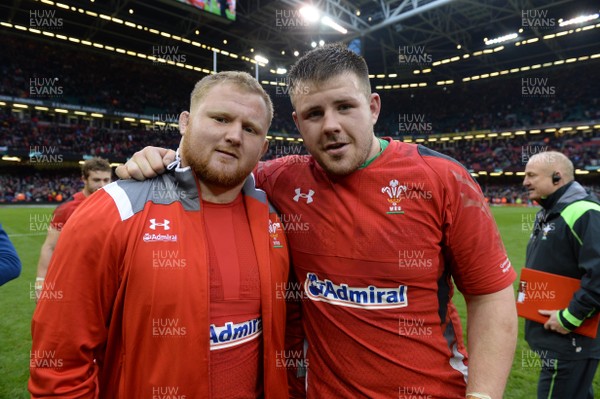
552, 324
147, 163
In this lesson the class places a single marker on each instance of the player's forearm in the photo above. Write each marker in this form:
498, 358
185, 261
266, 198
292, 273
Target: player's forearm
45, 256
492, 336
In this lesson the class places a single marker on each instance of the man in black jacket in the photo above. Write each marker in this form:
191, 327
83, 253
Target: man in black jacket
565, 241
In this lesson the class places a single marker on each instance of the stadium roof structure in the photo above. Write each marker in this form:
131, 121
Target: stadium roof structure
438, 40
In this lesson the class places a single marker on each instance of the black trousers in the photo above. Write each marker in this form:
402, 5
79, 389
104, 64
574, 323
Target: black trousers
562, 379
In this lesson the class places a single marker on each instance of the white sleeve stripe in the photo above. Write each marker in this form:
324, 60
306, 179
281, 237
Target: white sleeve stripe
121, 200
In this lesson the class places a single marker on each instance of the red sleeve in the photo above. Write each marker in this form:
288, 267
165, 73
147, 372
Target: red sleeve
473, 246
268, 172
60, 216
69, 326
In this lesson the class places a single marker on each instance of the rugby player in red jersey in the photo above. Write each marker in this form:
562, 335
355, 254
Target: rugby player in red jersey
170, 287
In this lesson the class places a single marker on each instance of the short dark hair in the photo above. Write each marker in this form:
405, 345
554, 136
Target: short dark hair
327, 62
93, 165
242, 80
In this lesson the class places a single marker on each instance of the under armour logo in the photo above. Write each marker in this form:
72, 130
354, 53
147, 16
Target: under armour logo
300, 194
164, 224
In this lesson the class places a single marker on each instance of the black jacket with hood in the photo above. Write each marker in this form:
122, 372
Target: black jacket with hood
566, 241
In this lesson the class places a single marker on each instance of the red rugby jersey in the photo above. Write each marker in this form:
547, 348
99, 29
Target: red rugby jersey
375, 253
64, 211
236, 367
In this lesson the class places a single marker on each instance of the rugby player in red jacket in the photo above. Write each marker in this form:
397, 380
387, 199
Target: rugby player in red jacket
173, 287
391, 226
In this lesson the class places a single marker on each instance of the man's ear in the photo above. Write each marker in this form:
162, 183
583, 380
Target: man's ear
295, 118
375, 107
184, 119
265, 148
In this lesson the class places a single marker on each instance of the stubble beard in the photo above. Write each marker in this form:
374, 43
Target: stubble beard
209, 175
333, 165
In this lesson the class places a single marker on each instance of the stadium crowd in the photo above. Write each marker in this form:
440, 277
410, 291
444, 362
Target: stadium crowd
130, 86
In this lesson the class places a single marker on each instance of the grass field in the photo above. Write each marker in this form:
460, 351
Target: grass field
26, 227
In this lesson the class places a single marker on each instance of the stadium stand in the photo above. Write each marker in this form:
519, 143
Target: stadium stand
128, 86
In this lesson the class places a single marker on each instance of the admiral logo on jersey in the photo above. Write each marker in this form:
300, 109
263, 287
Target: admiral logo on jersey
234, 334
369, 297
159, 237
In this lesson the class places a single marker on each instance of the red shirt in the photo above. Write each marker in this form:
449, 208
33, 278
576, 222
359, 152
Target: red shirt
236, 367
375, 253
64, 211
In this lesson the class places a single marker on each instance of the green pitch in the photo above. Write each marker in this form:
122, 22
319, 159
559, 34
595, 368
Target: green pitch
26, 227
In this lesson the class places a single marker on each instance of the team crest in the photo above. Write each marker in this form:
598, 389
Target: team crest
394, 192
274, 230
547, 229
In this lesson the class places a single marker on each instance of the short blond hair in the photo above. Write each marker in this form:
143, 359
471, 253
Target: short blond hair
242, 80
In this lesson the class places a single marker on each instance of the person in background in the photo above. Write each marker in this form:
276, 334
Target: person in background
565, 241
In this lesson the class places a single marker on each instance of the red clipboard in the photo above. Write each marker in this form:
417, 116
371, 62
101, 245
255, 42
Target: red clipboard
541, 290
